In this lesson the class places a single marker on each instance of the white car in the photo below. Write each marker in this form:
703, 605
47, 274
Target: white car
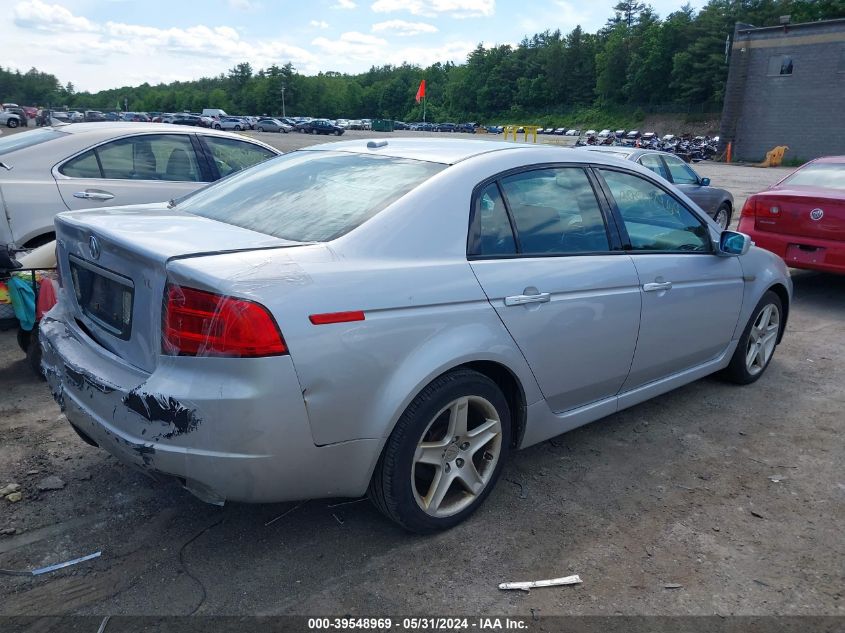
9, 119
84, 165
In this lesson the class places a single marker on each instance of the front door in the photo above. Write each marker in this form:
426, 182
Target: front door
691, 297
544, 255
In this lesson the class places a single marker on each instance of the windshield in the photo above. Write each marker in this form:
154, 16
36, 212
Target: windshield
310, 196
15, 142
825, 175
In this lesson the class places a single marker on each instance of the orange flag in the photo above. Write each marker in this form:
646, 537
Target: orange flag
421, 91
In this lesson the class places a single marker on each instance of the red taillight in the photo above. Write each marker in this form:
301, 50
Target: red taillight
749, 209
336, 317
199, 323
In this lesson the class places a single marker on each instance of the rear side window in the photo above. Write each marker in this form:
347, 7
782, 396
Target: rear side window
310, 196
653, 162
555, 212
169, 157
494, 235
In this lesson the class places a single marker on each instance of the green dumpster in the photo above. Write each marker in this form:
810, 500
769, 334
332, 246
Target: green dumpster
382, 125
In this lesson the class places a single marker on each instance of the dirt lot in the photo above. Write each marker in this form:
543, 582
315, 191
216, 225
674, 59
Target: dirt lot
735, 494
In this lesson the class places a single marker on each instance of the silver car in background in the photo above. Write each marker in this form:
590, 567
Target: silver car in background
394, 317
268, 124
84, 165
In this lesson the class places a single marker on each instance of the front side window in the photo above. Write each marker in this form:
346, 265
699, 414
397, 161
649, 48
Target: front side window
654, 220
168, 157
555, 211
310, 196
231, 155
682, 174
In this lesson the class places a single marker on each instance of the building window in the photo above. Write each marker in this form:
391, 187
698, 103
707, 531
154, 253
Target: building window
780, 65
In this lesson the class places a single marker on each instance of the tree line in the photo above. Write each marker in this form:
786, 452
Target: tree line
638, 59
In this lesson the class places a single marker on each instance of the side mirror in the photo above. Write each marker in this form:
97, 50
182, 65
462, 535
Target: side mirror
733, 243
704, 182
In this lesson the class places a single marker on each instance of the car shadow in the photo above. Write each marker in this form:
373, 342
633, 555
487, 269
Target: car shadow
818, 290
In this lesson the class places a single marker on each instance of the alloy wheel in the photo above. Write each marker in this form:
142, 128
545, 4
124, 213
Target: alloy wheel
762, 339
722, 217
456, 456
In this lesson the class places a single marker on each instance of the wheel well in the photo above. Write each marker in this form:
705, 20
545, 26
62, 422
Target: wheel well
511, 388
783, 295
41, 240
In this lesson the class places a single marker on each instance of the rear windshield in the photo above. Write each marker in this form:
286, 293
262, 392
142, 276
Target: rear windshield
14, 142
825, 175
310, 196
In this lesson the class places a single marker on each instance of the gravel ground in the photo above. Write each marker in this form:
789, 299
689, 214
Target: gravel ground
735, 494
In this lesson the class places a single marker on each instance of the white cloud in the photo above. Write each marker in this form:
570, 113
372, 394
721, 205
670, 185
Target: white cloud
50, 17
320, 24
353, 46
344, 4
404, 28
244, 5
433, 8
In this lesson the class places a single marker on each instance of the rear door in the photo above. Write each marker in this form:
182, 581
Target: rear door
691, 297
552, 267
132, 170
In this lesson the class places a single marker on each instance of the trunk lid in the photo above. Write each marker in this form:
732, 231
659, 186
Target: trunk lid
114, 266
802, 213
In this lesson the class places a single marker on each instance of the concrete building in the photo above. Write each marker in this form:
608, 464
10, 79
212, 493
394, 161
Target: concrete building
786, 86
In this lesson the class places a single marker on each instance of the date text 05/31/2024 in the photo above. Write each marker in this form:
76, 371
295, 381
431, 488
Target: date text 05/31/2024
418, 624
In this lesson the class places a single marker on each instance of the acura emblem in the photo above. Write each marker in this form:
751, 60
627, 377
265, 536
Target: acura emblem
816, 214
94, 247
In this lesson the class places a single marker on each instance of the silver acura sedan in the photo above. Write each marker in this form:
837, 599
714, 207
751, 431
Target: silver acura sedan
87, 165
394, 317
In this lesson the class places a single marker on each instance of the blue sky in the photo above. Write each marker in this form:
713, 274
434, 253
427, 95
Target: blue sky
99, 44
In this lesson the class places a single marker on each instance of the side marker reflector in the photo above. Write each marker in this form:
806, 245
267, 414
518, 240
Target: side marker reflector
336, 317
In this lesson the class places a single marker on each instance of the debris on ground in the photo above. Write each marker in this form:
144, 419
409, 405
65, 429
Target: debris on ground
531, 584
776, 479
51, 483
754, 513
284, 514
522, 494
14, 497
9, 531
49, 568
9, 489
672, 585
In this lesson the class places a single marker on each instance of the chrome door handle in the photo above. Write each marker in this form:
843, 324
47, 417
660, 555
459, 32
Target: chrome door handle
93, 195
657, 286
519, 300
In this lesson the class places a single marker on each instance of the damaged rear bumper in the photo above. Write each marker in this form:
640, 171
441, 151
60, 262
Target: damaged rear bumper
230, 429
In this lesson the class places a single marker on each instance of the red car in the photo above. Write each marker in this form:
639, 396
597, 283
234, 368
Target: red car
802, 217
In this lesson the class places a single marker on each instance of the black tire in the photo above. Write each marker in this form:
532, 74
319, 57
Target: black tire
260, 129
217, 127
726, 209
23, 340
338, 132
33, 354
737, 371
391, 488
237, 128
12, 122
